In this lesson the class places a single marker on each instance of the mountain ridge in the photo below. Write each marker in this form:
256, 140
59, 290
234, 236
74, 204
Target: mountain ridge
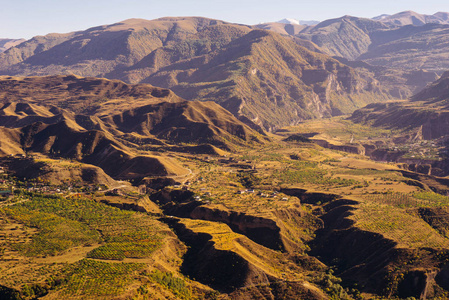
207, 60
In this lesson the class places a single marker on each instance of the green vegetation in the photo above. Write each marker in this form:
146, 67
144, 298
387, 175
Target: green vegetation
121, 250
95, 278
67, 222
309, 172
416, 199
400, 225
176, 285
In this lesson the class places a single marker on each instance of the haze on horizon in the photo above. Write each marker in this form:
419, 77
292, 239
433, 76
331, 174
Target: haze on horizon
28, 18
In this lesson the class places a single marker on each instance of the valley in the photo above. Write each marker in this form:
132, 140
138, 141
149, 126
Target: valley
265, 211
193, 158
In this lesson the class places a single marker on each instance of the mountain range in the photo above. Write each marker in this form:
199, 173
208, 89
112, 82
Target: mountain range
206, 59
169, 118
269, 75
413, 18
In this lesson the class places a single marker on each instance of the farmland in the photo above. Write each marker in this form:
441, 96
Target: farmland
264, 212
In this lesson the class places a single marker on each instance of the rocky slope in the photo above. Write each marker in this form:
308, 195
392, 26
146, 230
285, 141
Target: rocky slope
270, 80
5, 44
426, 111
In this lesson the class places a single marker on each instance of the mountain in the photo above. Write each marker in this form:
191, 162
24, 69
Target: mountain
410, 47
404, 59
297, 22
101, 50
406, 41
381, 17
348, 36
269, 79
107, 129
283, 28
413, 18
261, 77
289, 21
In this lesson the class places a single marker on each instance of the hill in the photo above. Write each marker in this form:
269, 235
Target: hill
116, 128
399, 44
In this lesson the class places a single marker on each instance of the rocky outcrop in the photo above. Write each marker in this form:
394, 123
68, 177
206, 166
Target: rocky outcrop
262, 231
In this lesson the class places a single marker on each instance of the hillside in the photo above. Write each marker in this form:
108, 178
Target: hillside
100, 50
78, 94
347, 36
427, 112
256, 224
206, 60
5, 44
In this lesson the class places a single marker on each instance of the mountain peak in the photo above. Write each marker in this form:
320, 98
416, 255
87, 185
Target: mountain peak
289, 21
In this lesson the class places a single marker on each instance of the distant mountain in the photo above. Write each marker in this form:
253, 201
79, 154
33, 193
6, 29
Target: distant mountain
261, 77
5, 44
413, 18
289, 21
348, 36
385, 44
282, 28
298, 22
381, 17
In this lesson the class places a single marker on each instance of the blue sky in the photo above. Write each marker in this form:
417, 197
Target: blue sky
27, 18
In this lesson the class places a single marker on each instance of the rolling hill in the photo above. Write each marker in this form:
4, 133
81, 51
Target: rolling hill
121, 120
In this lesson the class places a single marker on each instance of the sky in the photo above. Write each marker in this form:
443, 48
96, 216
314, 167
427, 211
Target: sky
28, 18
